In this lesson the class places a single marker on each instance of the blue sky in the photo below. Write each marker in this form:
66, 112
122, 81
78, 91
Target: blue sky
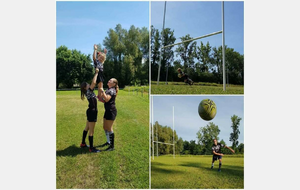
80, 25
201, 18
187, 121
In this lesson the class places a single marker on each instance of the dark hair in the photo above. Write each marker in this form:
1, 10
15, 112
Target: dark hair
82, 89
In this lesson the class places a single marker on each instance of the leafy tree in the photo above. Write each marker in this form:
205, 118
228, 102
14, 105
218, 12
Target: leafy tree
72, 67
241, 148
235, 134
167, 53
179, 146
155, 45
165, 134
206, 135
187, 52
203, 55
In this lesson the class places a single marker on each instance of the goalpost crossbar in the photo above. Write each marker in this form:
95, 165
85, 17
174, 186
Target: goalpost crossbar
163, 143
204, 36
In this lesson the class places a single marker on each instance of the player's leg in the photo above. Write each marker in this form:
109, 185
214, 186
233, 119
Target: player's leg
109, 128
213, 160
106, 134
220, 163
91, 137
92, 118
85, 131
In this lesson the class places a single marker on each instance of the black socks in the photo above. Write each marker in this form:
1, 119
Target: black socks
83, 136
91, 139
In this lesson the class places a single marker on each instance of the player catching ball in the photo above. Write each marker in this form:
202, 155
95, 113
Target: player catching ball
186, 78
91, 112
217, 153
99, 59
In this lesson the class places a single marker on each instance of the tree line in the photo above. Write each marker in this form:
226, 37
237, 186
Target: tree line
202, 63
127, 59
201, 146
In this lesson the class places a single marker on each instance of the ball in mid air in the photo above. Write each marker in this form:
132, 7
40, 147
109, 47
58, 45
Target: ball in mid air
207, 109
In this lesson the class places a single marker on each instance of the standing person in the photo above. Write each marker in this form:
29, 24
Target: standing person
217, 153
98, 63
185, 77
91, 112
110, 114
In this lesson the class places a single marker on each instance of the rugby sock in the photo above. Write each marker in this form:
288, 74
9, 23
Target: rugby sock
220, 164
83, 136
112, 138
107, 136
91, 139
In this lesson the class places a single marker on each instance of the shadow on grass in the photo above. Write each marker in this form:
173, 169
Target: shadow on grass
236, 171
72, 151
155, 167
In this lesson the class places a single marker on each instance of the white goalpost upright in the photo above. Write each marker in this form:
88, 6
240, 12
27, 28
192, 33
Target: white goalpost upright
158, 142
204, 36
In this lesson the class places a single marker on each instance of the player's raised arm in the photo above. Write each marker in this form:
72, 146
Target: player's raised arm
93, 84
95, 52
229, 149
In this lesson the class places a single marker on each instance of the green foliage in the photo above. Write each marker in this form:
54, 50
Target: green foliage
72, 67
202, 63
126, 51
165, 134
127, 59
206, 135
235, 134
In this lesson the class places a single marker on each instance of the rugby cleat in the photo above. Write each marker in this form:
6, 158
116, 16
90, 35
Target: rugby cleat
84, 145
94, 150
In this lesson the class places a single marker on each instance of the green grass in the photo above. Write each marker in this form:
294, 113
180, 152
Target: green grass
193, 172
197, 88
127, 167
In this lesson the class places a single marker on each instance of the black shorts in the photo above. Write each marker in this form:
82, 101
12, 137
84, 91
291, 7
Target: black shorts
216, 157
100, 77
91, 115
110, 114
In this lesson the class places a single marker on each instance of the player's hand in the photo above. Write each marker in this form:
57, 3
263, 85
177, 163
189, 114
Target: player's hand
95, 47
232, 151
97, 70
221, 154
101, 89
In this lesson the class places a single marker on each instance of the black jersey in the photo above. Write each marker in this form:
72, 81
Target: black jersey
185, 75
91, 97
217, 148
111, 105
98, 64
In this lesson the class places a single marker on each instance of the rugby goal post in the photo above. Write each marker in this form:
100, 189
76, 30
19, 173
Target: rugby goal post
156, 141
200, 37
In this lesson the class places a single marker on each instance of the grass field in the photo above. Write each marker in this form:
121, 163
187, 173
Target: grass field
126, 167
197, 88
193, 172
